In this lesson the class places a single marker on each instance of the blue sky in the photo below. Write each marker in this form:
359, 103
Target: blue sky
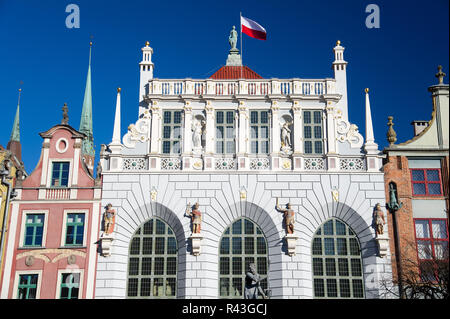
397, 62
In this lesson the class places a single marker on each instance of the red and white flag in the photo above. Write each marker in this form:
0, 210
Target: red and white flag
252, 29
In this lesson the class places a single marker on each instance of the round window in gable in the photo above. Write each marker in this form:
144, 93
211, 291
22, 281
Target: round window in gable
61, 145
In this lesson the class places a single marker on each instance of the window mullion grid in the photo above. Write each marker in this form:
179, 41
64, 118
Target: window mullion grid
336, 257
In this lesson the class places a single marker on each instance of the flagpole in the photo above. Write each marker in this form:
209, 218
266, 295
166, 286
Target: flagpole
242, 52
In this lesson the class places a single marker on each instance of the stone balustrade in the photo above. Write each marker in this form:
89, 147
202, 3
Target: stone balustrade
252, 87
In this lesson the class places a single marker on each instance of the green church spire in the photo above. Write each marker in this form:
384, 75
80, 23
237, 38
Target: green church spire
15, 133
86, 115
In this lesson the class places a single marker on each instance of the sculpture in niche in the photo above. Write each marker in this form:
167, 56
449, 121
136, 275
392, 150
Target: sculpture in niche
196, 217
286, 135
252, 284
197, 128
289, 217
109, 218
378, 215
393, 204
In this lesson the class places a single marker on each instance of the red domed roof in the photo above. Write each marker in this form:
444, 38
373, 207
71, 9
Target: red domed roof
235, 72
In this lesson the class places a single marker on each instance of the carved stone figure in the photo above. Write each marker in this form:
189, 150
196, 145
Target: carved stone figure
378, 216
197, 128
252, 284
196, 217
99, 171
289, 217
109, 218
232, 39
286, 135
65, 118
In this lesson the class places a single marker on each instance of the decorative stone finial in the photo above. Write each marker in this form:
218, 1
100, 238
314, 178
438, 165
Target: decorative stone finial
338, 42
440, 75
65, 119
391, 135
118, 90
147, 43
366, 90
90, 43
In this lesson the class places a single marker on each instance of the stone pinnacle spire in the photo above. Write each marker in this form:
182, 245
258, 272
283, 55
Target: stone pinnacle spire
87, 148
116, 131
370, 146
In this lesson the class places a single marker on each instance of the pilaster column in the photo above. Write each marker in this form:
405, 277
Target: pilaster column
276, 143
331, 128
210, 129
45, 167
298, 136
155, 144
187, 136
243, 141
298, 132
332, 156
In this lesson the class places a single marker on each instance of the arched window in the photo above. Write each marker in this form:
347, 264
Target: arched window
336, 262
152, 264
241, 244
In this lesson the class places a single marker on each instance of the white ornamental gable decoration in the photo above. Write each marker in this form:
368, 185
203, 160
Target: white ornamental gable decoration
138, 132
348, 132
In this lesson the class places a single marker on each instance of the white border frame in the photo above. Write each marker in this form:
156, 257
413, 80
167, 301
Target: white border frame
64, 227
62, 139
67, 271
22, 228
27, 272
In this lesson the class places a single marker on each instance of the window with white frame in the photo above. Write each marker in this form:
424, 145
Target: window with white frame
313, 132
336, 262
259, 132
70, 285
75, 225
171, 132
225, 132
34, 230
27, 286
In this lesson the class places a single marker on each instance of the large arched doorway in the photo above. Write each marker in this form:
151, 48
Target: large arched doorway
336, 262
241, 244
152, 262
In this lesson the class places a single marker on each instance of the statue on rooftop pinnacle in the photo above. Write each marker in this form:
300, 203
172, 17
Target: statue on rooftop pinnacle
232, 39
65, 119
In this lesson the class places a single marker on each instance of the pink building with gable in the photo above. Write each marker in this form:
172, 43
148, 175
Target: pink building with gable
54, 225
51, 242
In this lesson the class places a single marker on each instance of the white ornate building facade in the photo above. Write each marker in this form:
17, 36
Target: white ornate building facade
239, 144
